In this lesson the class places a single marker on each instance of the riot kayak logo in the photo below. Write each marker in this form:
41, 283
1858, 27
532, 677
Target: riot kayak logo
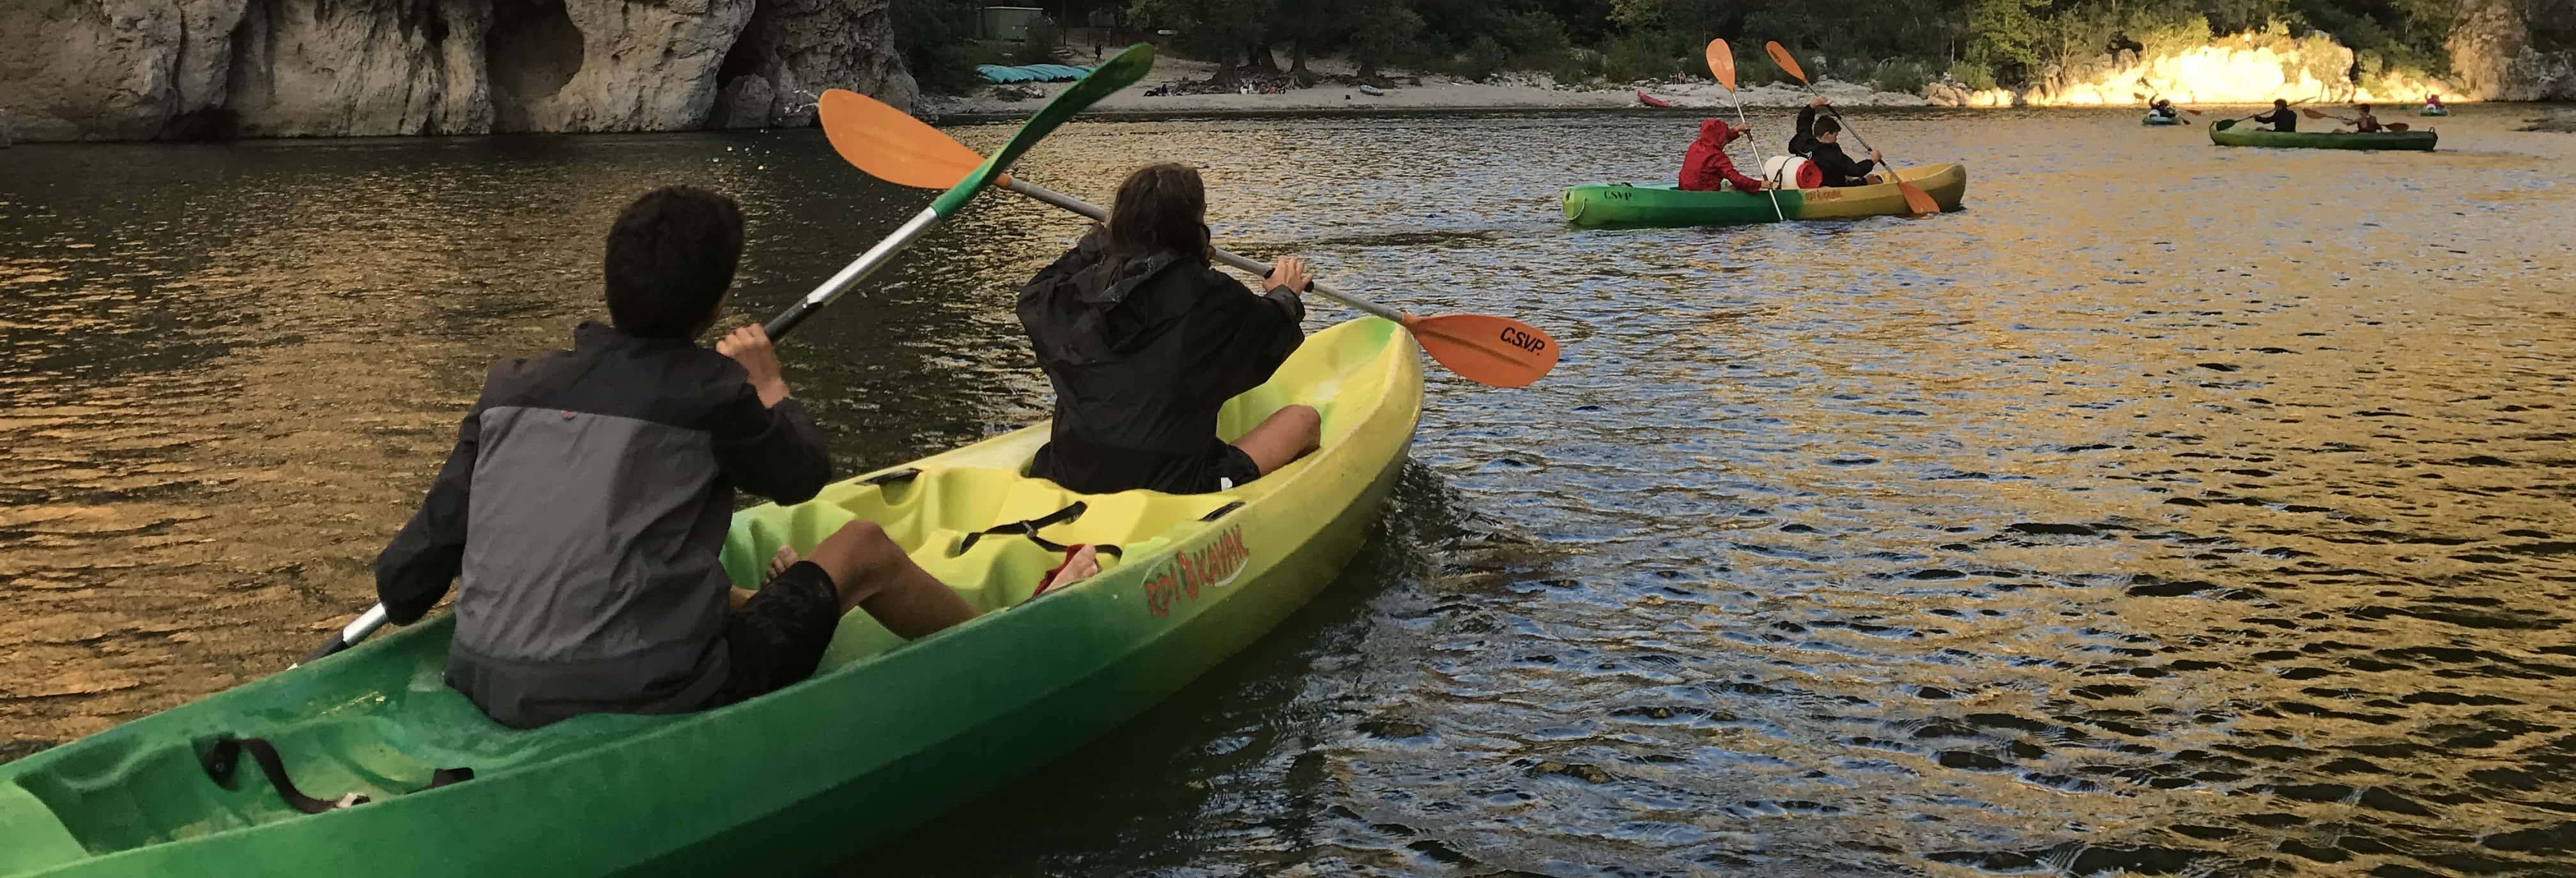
1214, 565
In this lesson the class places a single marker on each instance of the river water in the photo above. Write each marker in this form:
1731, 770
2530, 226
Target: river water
2172, 509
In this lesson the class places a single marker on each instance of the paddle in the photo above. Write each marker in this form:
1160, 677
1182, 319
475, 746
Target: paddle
1916, 200
2314, 113
2224, 124
1721, 64
897, 148
2150, 101
1117, 73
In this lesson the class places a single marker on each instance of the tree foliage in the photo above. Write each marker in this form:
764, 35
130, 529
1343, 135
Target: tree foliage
2004, 42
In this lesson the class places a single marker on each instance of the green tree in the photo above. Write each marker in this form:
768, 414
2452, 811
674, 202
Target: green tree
1390, 32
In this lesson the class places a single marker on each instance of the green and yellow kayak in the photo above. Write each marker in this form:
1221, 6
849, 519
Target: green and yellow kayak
2153, 119
2240, 136
884, 737
1665, 204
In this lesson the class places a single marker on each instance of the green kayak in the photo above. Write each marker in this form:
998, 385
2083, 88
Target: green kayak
2153, 119
1632, 205
886, 736
2322, 139
2433, 111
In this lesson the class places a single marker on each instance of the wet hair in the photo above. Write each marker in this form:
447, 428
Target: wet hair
671, 255
1827, 125
2364, 107
2278, 103
1160, 208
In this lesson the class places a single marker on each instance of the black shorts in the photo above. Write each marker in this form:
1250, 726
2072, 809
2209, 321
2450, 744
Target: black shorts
778, 636
1236, 467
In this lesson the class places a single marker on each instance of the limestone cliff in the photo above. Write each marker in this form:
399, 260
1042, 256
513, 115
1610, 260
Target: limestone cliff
2515, 50
142, 69
795, 49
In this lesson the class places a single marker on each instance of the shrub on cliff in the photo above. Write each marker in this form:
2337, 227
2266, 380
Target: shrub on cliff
937, 39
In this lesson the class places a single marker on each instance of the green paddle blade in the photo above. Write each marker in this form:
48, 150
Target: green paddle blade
1119, 72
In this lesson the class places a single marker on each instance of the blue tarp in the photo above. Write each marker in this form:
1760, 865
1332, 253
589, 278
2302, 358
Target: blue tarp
999, 74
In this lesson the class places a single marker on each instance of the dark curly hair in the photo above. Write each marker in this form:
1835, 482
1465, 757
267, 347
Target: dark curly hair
670, 257
1160, 208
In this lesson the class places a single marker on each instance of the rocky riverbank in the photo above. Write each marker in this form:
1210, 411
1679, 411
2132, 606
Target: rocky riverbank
210, 69
1406, 92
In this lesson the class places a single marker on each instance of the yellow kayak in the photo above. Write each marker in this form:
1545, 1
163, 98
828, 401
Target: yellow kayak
1178, 553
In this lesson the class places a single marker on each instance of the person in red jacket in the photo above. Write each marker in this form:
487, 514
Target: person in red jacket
1706, 165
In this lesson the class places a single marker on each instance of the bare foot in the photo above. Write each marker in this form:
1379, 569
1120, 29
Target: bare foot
1084, 564
785, 558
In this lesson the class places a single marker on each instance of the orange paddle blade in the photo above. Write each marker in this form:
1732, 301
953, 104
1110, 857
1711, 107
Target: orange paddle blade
892, 146
1787, 64
1489, 350
1916, 200
1721, 63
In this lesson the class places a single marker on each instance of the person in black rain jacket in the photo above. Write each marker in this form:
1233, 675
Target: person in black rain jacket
2282, 118
1144, 341
1817, 140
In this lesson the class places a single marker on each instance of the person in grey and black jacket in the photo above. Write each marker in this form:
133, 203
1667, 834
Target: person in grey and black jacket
583, 511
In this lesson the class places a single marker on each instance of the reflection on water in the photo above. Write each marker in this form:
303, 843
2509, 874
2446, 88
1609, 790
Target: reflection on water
2174, 509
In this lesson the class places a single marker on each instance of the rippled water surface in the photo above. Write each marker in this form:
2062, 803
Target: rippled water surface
2173, 509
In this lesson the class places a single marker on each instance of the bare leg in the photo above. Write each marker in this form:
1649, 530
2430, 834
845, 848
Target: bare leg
1289, 433
874, 574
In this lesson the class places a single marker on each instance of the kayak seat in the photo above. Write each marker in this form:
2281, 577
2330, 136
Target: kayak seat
113, 798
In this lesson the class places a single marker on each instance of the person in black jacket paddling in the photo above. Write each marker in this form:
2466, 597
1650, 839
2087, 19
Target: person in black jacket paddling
1817, 140
1144, 341
2282, 118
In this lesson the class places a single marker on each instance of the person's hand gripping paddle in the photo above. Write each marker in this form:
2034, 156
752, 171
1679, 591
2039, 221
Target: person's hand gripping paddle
1721, 64
1117, 73
897, 148
1917, 201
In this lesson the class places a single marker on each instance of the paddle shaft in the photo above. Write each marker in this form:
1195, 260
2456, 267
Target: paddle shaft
1223, 255
850, 275
1759, 160
2252, 115
1856, 138
841, 282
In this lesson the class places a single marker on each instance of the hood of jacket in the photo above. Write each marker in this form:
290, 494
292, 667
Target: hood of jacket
1716, 133
1109, 307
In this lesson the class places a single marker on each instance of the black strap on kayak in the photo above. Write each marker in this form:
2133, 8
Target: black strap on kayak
220, 759
887, 478
1029, 528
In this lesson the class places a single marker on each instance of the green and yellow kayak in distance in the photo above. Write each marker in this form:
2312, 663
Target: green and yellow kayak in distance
2153, 119
2241, 136
886, 736
1601, 205
2433, 111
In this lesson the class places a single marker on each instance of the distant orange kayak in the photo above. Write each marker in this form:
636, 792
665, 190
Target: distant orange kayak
1653, 101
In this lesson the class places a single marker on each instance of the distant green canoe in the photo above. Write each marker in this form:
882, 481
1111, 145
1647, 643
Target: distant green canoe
1664, 204
2433, 111
2153, 119
2422, 140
